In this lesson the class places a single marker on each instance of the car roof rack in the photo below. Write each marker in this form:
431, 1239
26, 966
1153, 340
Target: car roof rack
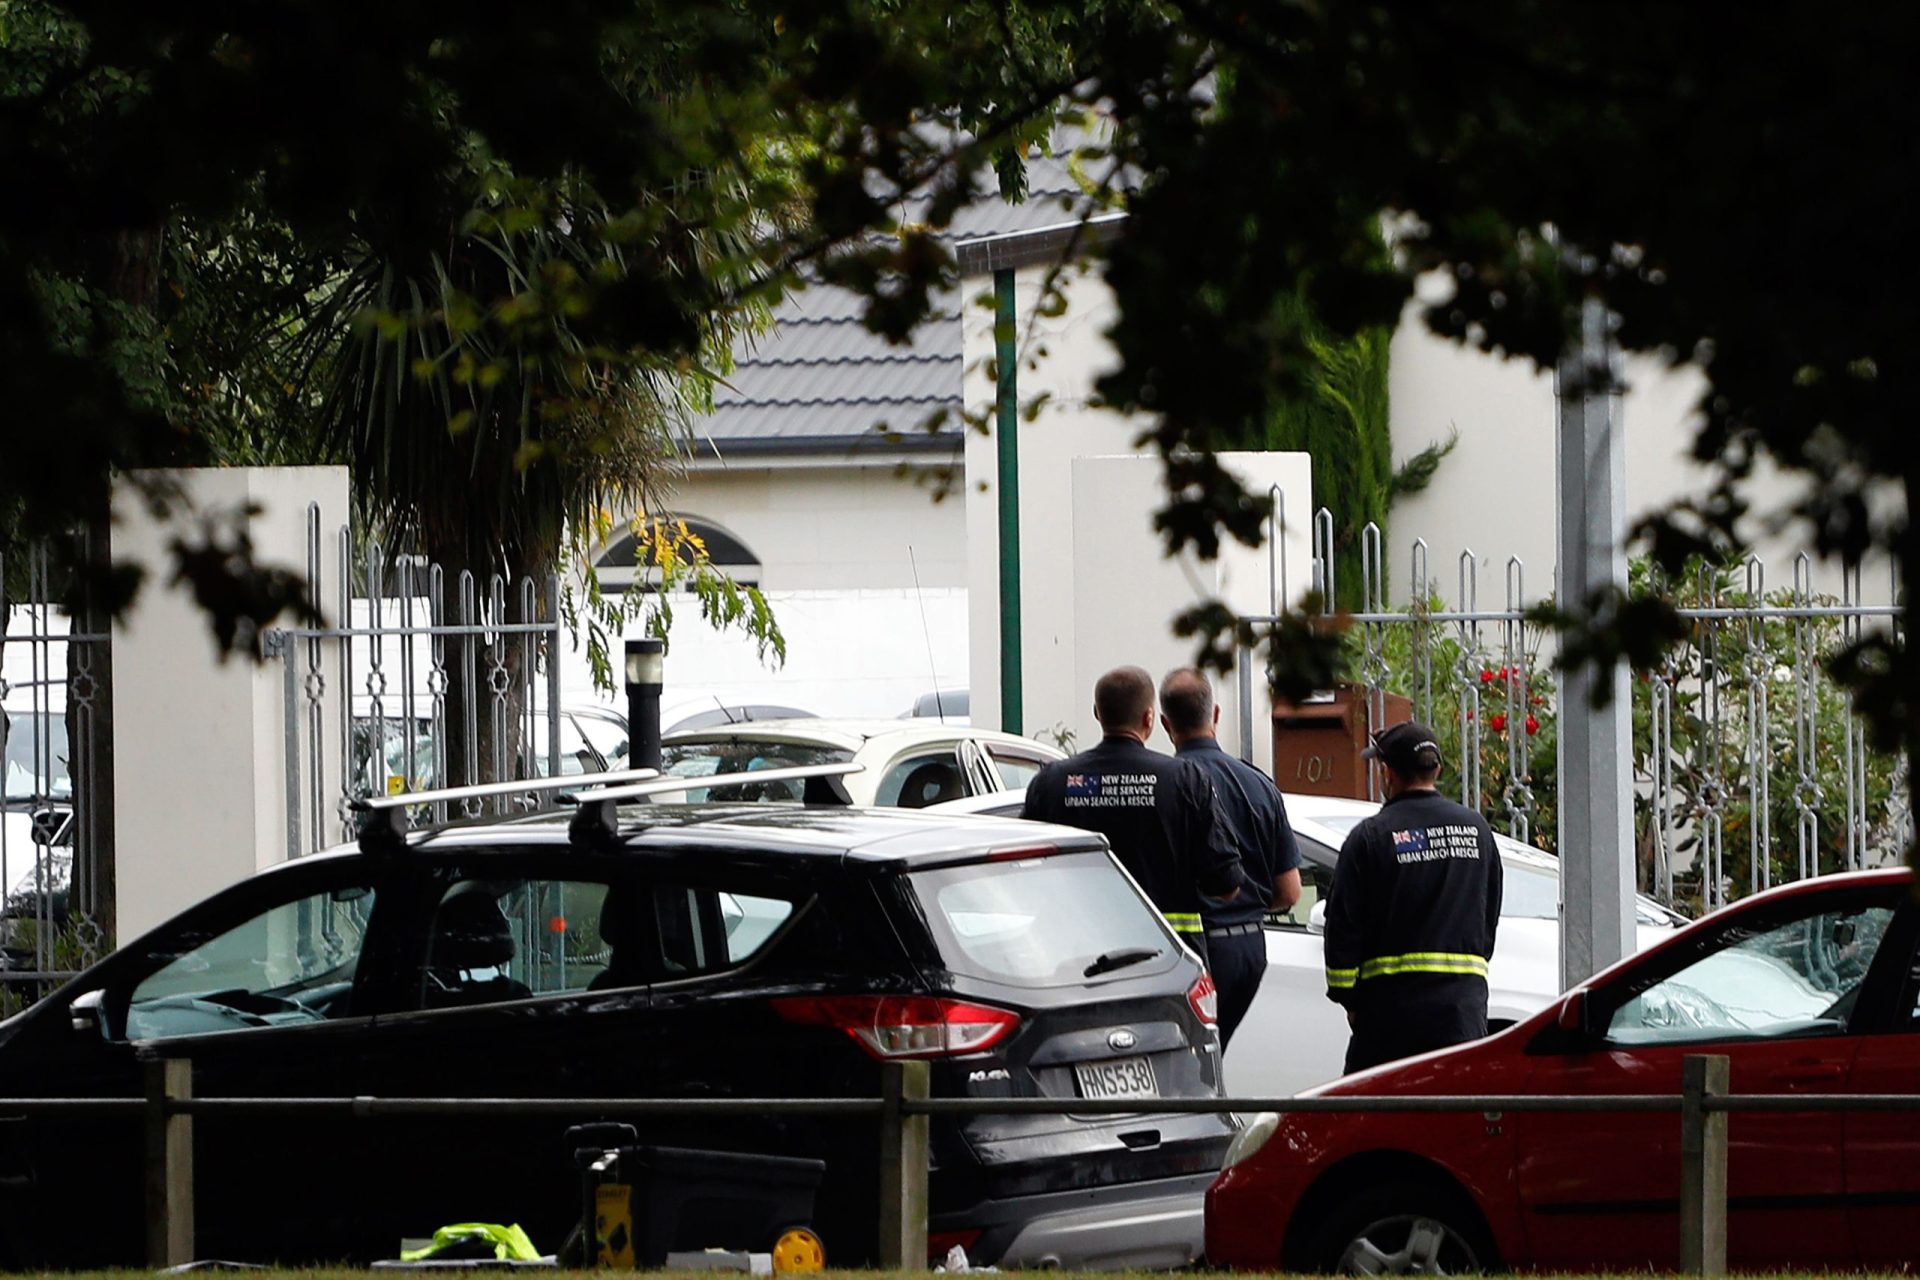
597, 819
384, 823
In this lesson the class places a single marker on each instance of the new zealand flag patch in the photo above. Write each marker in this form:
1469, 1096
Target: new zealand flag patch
1083, 784
1414, 841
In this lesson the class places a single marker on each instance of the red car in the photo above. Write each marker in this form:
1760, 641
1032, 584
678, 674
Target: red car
1809, 988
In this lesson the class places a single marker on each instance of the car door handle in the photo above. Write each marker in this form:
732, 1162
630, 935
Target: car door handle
1809, 1072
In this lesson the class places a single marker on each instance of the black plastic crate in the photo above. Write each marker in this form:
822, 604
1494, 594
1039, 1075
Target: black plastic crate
643, 1202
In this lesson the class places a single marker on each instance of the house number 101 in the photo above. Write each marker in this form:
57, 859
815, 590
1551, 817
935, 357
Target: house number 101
1313, 768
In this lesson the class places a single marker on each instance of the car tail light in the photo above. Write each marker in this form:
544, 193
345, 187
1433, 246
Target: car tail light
1205, 1000
941, 1243
904, 1026
1021, 853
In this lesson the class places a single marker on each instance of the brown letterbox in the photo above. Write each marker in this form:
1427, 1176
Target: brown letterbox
1317, 745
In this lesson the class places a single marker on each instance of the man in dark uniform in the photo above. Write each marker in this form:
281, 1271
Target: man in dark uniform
1412, 912
1251, 809
1155, 811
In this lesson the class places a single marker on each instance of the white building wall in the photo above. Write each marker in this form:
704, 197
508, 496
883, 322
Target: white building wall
1494, 495
850, 652
839, 545
831, 527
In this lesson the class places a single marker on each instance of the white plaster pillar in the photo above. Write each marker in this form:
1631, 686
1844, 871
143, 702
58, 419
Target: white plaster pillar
200, 745
1126, 591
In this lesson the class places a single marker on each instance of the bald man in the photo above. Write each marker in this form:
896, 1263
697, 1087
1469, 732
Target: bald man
1155, 811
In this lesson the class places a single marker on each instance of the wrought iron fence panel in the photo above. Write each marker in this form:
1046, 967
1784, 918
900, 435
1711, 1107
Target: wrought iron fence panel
1750, 765
433, 683
55, 819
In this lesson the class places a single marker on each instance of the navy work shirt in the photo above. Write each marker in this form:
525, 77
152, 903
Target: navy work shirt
1158, 814
1254, 815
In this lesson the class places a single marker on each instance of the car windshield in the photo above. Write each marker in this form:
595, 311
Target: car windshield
744, 755
36, 758
1042, 922
1792, 977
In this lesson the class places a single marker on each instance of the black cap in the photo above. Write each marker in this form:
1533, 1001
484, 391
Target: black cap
1407, 748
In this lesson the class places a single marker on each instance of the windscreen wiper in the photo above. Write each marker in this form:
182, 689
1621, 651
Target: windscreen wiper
1120, 959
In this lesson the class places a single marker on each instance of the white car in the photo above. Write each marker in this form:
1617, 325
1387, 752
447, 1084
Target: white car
1294, 1037
908, 764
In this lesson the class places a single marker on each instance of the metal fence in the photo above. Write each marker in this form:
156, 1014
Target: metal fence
55, 821
905, 1106
422, 679
1750, 764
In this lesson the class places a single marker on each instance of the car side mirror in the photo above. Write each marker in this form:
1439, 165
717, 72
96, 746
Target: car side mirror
52, 826
1317, 917
87, 1013
1575, 1019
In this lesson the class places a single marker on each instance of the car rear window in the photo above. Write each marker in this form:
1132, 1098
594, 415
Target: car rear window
1041, 922
744, 755
1529, 893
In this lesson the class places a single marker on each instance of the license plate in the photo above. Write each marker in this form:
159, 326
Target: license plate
1120, 1078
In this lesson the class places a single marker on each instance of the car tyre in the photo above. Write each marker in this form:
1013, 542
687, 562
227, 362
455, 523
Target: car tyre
1404, 1228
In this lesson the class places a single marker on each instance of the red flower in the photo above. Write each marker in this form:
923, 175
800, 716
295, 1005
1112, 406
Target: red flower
1469, 715
1533, 726
1486, 675
1498, 723
1506, 673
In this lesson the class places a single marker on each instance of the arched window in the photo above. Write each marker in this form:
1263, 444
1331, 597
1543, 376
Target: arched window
725, 551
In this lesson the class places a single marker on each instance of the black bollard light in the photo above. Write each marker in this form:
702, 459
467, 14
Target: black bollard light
646, 676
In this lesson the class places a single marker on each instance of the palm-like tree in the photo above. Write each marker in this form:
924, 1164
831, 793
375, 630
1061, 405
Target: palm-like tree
501, 376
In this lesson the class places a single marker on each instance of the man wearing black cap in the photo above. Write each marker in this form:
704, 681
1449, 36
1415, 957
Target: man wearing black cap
1412, 911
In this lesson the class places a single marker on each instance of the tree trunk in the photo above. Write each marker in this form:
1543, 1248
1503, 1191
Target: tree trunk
497, 748
1906, 546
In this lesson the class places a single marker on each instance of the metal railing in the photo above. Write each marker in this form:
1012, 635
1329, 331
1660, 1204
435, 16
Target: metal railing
56, 838
423, 680
1750, 766
904, 1108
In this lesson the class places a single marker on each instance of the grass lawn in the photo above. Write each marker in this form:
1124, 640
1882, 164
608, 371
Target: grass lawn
347, 1273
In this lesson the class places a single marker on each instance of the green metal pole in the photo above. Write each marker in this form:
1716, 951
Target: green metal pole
1006, 362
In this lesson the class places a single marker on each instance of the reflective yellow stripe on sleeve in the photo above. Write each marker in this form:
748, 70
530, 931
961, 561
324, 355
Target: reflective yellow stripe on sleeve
1341, 979
1185, 921
1422, 962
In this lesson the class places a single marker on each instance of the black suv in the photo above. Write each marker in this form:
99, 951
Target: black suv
747, 951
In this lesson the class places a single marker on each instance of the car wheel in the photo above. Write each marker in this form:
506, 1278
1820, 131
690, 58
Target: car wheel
1404, 1228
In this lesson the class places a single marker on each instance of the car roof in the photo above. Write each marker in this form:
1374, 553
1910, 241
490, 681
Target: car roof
851, 834
851, 735
1309, 812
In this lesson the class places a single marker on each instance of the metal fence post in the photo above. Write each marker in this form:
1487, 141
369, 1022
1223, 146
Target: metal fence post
169, 1163
1703, 1166
903, 1168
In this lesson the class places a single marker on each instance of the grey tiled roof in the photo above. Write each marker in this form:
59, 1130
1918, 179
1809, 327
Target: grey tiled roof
821, 380
821, 383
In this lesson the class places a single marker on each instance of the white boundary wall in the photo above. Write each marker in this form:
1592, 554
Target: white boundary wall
200, 770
